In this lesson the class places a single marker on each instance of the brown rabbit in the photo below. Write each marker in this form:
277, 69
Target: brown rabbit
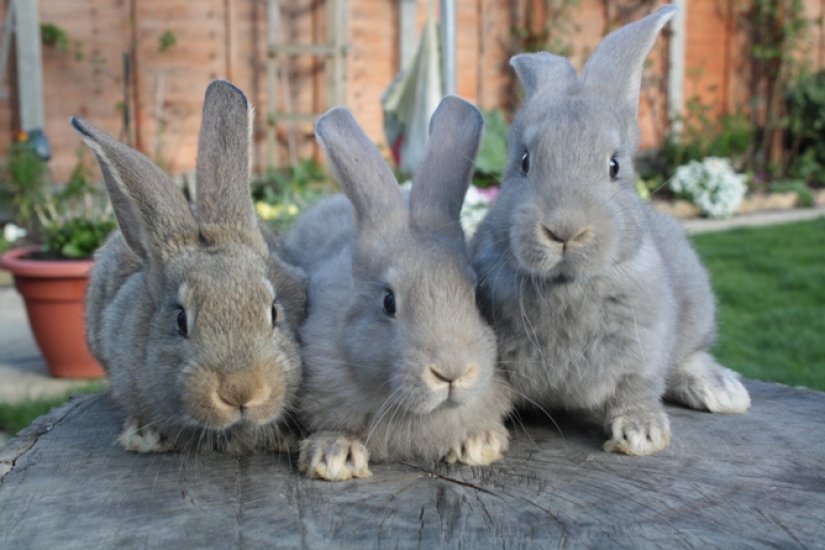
189, 313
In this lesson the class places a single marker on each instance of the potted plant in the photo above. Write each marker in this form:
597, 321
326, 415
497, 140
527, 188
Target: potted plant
63, 226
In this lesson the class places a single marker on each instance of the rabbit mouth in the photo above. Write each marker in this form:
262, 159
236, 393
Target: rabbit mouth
425, 401
542, 254
538, 258
451, 402
225, 416
220, 400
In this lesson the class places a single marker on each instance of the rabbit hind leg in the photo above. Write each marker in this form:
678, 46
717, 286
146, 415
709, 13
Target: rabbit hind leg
702, 383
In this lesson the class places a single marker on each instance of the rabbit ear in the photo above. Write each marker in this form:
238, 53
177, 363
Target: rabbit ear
225, 209
615, 68
291, 283
543, 71
153, 215
444, 174
360, 170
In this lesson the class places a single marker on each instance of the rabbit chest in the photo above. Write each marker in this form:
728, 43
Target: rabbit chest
566, 344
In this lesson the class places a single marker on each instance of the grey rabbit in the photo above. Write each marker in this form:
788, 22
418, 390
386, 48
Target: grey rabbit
398, 362
189, 313
599, 303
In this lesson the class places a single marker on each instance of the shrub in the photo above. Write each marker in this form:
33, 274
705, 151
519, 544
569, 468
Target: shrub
70, 220
492, 155
804, 196
282, 194
806, 126
729, 136
712, 185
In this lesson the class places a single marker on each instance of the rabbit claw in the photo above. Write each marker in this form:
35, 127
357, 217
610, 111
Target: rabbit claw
141, 439
639, 433
334, 457
480, 448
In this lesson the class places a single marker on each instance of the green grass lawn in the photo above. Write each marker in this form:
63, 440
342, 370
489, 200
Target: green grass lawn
14, 418
770, 289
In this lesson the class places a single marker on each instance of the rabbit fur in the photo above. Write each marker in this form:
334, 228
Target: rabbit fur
599, 303
189, 313
415, 380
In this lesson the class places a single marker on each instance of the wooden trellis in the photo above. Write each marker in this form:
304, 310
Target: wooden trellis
334, 52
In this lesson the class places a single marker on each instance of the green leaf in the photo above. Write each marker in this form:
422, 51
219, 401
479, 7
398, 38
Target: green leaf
492, 155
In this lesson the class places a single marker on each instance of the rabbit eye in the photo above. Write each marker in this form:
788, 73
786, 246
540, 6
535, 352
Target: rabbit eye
183, 327
614, 168
525, 163
389, 303
274, 314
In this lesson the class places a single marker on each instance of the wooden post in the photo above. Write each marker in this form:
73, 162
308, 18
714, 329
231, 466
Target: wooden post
483, 19
676, 68
137, 117
126, 114
5, 48
272, 23
229, 37
337, 27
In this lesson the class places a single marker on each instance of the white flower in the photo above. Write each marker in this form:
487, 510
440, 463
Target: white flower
475, 207
11, 233
712, 185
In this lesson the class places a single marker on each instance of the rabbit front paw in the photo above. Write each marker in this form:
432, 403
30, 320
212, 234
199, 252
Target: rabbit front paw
480, 448
639, 433
142, 439
333, 457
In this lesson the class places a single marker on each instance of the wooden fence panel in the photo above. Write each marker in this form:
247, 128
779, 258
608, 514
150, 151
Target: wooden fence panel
227, 39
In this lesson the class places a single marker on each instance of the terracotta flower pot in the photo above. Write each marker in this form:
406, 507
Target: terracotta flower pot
54, 293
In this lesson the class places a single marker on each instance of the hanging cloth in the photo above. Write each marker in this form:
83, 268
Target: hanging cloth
411, 99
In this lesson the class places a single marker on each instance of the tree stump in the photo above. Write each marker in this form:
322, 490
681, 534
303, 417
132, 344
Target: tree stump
753, 480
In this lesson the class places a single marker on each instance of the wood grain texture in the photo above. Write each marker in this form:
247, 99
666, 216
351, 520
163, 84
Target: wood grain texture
726, 481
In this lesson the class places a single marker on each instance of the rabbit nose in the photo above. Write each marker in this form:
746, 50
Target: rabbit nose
234, 400
242, 394
442, 377
457, 377
564, 235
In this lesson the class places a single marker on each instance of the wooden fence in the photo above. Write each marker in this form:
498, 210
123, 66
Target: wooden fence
163, 88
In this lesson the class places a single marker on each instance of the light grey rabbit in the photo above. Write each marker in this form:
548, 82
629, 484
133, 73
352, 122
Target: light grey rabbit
599, 303
398, 362
188, 312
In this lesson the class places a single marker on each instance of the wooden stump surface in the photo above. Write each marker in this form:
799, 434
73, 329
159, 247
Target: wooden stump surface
743, 481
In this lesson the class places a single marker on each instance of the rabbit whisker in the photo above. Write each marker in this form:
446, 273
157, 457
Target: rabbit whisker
528, 323
407, 423
541, 409
294, 423
381, 412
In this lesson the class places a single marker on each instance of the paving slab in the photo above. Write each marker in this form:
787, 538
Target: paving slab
23, 371
756, 219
